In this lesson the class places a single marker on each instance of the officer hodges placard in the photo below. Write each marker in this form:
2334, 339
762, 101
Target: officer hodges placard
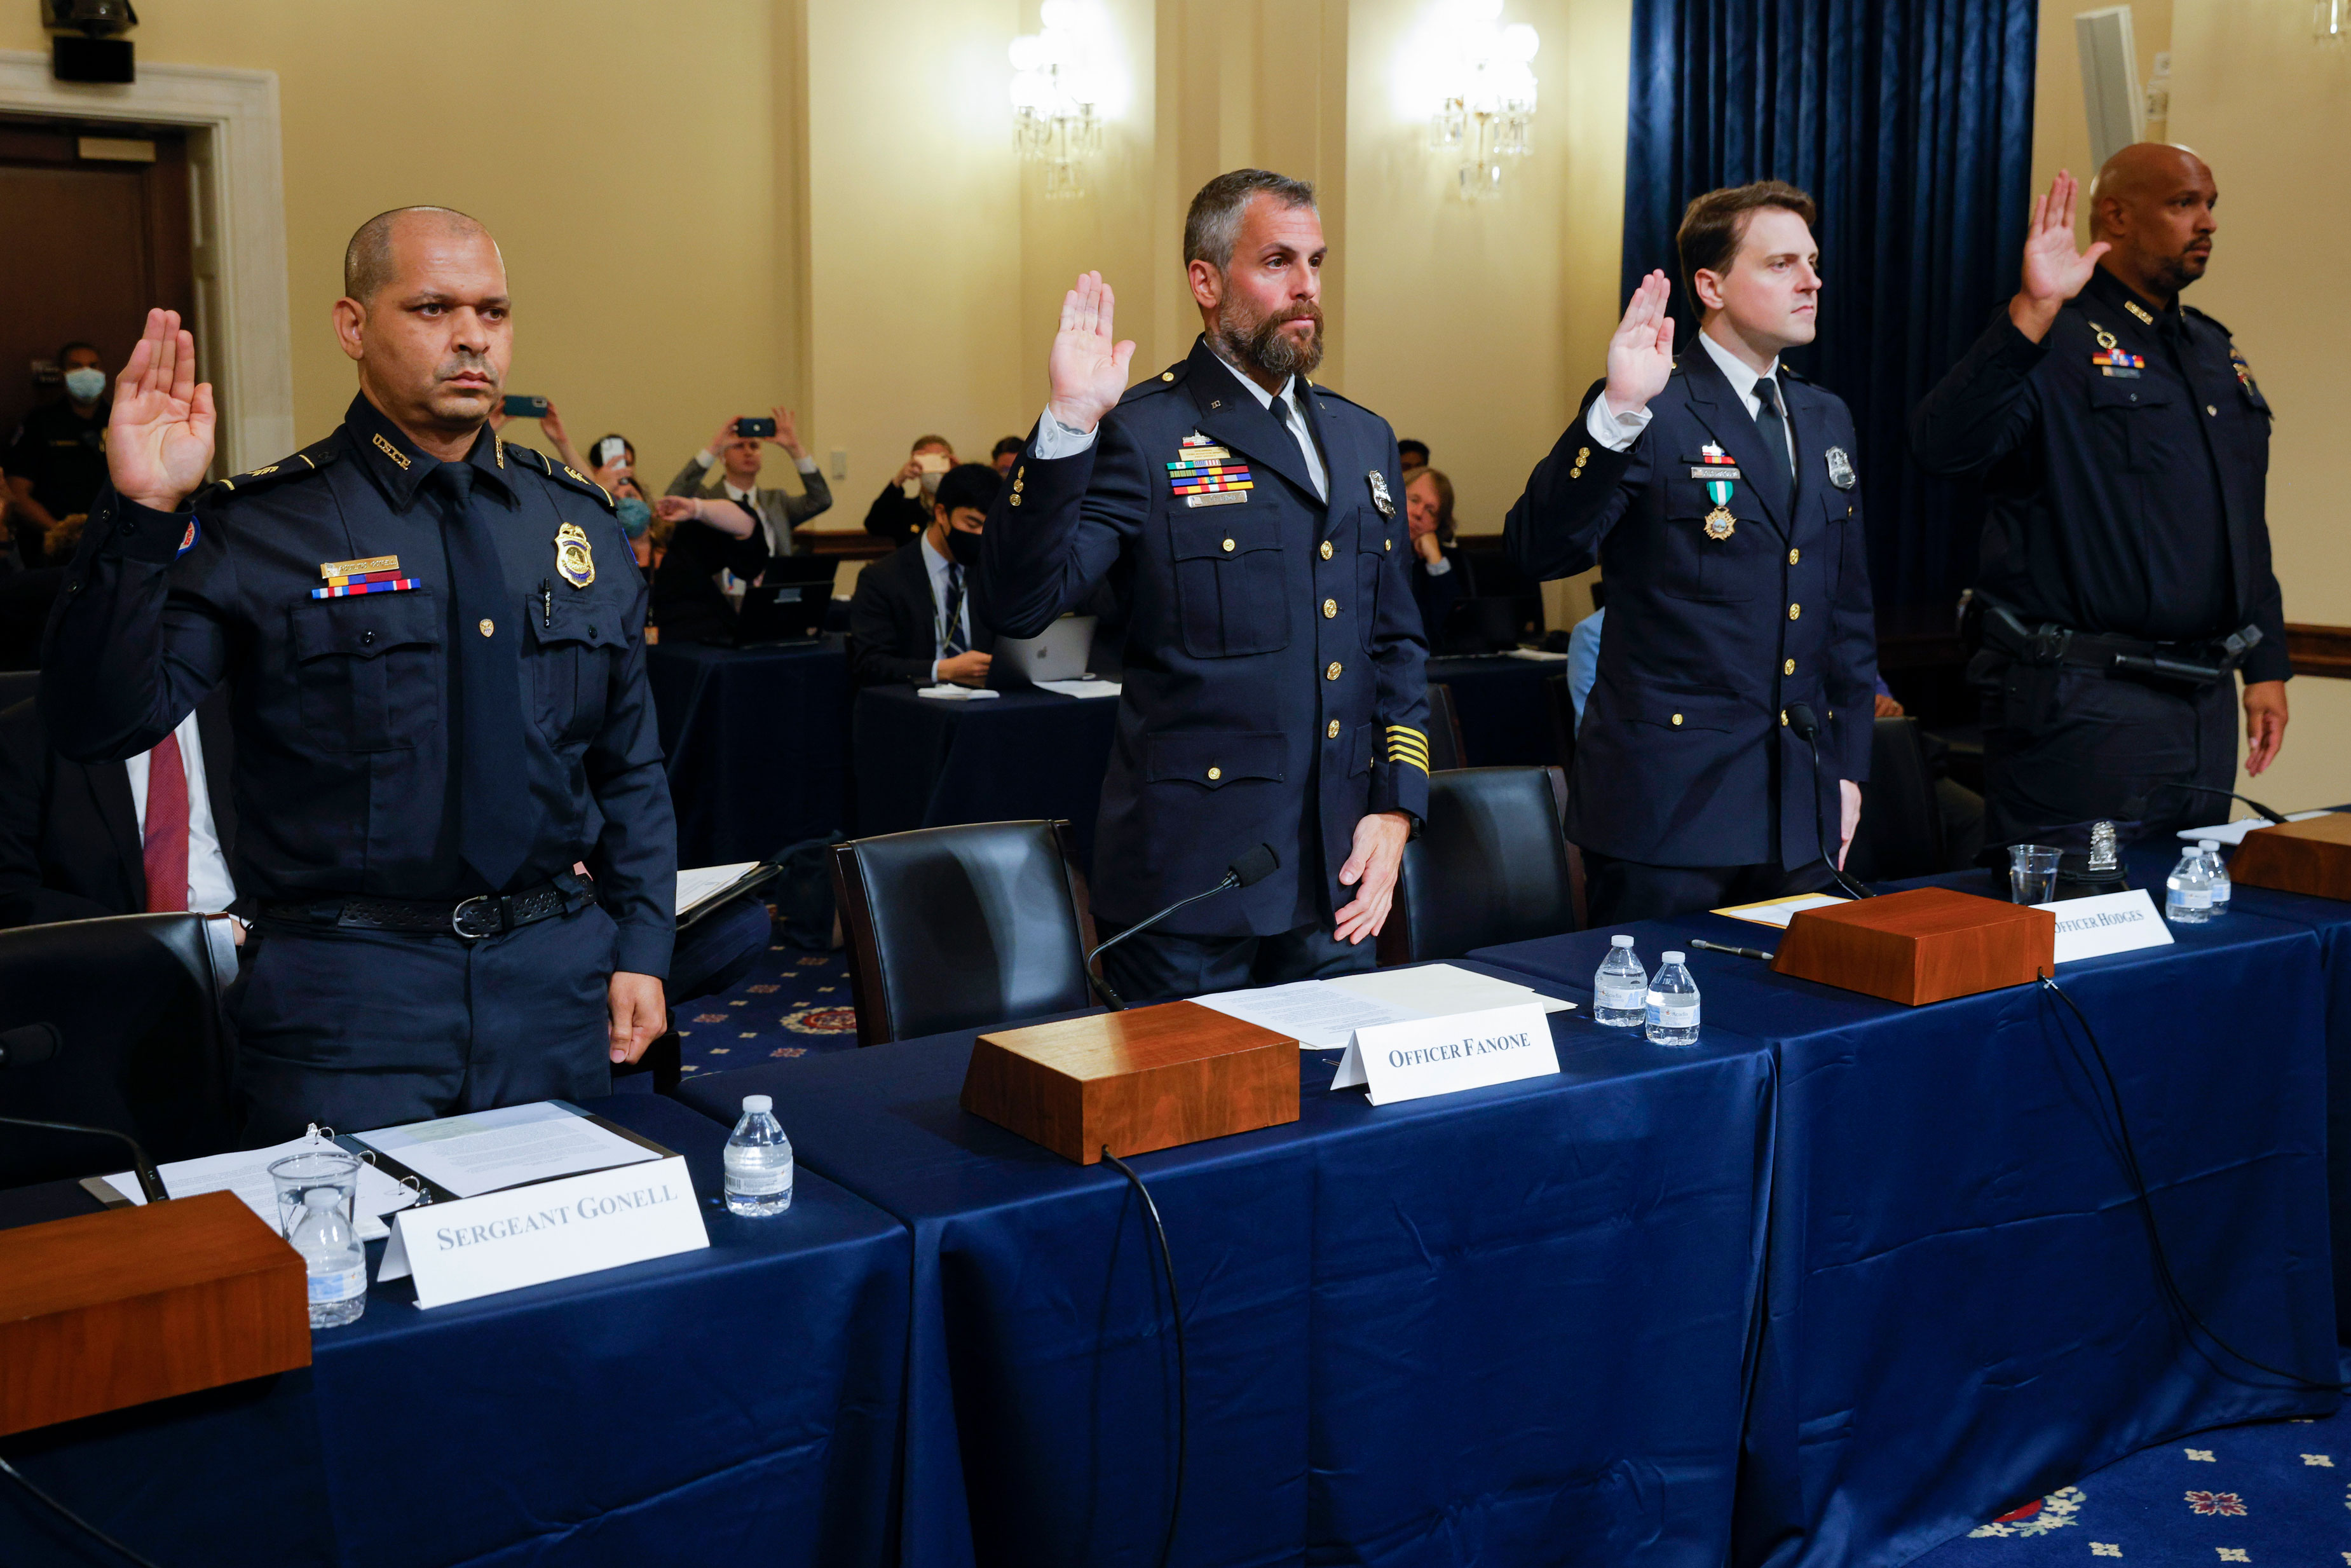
1437, 1056
549, 1230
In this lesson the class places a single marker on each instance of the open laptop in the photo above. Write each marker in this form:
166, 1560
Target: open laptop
780, 615
1057, 653
800, 568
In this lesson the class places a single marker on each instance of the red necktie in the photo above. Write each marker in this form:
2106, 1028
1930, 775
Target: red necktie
166, 853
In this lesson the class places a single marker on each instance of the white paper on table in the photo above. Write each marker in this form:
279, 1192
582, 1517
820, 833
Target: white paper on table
1316, 1013
2234, 833
1433, 991
245, 1173
1443, 1055
2109, 923
1089, 687
487, 1151
956, 693
695, 884
1539, 655
1779, 910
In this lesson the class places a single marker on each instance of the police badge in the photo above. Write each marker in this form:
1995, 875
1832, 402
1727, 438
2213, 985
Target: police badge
573, 562
1719, 522
1380, 494
1840, 468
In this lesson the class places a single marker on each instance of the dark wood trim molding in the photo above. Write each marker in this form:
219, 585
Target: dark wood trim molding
2319, 650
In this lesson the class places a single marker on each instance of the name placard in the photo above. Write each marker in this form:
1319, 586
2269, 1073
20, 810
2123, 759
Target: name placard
2110, 923
548, 1230
1438, 1055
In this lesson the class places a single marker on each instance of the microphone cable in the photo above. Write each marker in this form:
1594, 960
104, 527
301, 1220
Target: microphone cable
69, 1516
1183, 1373
1801, 720
2175, 1296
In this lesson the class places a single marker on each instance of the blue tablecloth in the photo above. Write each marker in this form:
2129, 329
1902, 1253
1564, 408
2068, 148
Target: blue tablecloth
1505, 715
1027, 756
755, 740
1962, 1311
734, 1404
1504, 1326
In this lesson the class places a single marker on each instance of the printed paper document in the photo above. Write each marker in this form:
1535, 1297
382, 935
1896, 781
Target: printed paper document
246, 1173
487, 1151
1322, 1015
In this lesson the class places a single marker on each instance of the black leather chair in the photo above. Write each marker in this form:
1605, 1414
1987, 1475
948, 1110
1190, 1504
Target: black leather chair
1445, 748
962, 928
1901, 830
1492, 865
19, 686
136, 1004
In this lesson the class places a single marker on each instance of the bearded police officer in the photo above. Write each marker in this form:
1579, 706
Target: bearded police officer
2124, 446
1252, 520
433, 647
1728, 729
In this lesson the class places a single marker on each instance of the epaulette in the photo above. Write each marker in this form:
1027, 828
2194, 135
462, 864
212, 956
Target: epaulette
561, 473
1171, 376
2220, 327
308, 461
1335, 393
1791, 372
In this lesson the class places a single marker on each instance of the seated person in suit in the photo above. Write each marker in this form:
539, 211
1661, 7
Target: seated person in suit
690, 604
82, 841
738, 459
911, 621
1437, 578
901, 515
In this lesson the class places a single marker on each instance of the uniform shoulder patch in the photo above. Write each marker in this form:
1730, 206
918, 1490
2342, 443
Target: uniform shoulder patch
310, 460
561, 473
1173, 376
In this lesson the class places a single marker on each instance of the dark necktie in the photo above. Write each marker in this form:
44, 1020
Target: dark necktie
494, 793
1771, 420
165, 853
951, 640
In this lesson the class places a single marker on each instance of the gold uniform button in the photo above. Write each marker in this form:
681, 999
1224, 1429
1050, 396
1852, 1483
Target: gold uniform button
1326, 550
1794, 556
1016, 500
2211, 410
1789, 668
1329, 607
1581, 455
1677, 721
1795, 612
1333, 731
1215, 774
1167, 376
1387, 544
1331, 674
1783, 718
486, 627
1228, 544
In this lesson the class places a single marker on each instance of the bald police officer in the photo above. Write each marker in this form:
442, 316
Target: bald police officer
1274, 690
433, 647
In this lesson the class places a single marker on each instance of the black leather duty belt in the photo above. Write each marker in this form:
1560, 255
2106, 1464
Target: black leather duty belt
485, 914
2200, 664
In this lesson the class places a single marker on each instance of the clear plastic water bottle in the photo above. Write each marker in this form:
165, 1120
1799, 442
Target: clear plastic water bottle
1620, 992
2187, 891
2218, 872
758, 1162
1672, 1004
335, 1258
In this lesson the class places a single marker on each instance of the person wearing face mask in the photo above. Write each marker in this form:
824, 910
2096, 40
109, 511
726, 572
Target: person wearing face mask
614, 465
57, 464
1274, 688
903, 511
1720, 494
911, 621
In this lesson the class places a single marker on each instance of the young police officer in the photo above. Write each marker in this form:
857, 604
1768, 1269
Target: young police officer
2124, 450
1718, 494
1273, 685
434, 646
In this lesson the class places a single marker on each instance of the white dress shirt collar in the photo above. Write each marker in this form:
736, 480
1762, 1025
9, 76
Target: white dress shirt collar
1741, 374
1291, 417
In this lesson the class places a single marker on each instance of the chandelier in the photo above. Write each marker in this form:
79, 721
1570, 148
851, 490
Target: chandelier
1485, 83
2330, 20
1057, 89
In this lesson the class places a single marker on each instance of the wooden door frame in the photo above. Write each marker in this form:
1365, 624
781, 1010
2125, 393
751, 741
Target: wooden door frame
232, 118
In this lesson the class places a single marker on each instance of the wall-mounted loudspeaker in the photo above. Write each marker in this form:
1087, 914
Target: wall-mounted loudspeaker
2110, 89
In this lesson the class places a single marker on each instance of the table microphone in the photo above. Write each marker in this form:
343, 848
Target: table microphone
2136, 806
32, 1042
1807, 726
1253, 866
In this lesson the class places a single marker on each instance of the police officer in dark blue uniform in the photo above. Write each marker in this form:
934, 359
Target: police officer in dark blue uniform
2124, 446
434, 646
1274, 688
1726, 738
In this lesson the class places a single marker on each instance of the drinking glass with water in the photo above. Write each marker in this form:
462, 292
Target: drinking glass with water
316, 1193
2032, 873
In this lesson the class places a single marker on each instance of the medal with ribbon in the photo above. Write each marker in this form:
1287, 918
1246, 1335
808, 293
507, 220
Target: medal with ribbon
1721, 475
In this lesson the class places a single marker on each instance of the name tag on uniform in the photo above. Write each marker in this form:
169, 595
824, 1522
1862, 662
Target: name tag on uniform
1714, 471
1439, 1055
376, 574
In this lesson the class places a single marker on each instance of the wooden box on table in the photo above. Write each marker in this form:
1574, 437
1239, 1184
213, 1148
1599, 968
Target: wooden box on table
2312, 857
1926, 945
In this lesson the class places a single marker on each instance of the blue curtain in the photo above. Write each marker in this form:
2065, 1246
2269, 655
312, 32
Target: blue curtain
1910, 121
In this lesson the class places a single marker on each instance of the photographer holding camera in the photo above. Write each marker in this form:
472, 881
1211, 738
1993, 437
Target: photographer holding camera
735, 450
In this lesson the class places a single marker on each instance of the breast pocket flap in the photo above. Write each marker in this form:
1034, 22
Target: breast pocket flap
365, 627
1214, 758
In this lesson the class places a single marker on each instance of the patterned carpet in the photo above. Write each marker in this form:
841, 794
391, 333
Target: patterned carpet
791, 1003
2278, 1492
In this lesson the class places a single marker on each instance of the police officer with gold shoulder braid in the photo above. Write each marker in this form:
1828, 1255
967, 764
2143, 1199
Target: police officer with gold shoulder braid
434, 645
1274, 690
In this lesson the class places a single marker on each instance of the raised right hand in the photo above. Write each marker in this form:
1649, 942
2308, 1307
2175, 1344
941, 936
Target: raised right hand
2054, 270
1087, 370
158, 441
1641, 350
966, 669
